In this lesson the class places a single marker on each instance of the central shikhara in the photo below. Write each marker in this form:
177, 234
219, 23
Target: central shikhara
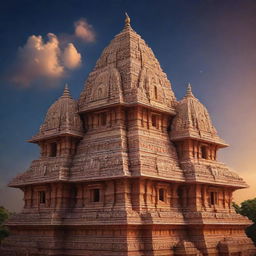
128, 170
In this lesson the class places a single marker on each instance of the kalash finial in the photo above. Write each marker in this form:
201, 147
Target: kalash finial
127, 20
66, 93
189, 91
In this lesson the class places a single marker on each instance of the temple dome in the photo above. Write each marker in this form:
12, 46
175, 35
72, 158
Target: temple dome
193, 121
62, 118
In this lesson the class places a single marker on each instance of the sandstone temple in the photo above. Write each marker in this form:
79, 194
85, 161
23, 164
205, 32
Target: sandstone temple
127, 170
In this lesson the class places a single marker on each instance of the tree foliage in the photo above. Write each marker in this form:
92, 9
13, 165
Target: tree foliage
4, 215
248, 209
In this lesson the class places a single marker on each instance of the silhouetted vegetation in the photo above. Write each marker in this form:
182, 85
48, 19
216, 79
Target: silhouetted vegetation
4, 215
248, 208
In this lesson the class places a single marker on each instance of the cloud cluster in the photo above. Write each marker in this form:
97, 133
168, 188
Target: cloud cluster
71, 57
84, 31
38, 59
51, 59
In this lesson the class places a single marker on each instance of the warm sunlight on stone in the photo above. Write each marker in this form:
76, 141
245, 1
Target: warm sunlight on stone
127, 169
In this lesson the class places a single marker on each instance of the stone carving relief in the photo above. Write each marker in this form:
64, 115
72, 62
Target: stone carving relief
107, 85
150, 86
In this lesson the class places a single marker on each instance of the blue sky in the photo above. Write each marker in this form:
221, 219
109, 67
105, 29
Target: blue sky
209, 43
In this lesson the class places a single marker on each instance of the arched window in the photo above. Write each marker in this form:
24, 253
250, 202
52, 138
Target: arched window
204, 152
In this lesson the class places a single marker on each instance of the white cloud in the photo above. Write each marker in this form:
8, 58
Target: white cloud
43, 60
84, 31
71, 57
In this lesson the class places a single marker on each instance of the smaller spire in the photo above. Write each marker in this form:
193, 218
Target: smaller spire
189, 91
66, 92
127, 20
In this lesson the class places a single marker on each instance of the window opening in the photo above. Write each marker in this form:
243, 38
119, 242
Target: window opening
103, 118
161, 194
42, 197
96, 195
154, 120
204, 152
155, 92
213, 198
53, 149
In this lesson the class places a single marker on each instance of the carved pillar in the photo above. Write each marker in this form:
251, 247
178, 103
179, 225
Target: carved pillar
25, 193
162, 124
223, 198
53, 195
204, 192
59, 196
95, 121
29, 197
145, 118
120, 193
109, 194
68, 146
215, 152
143, 190
185, 149
148, 119
90, 123
145, 194
190, 149
109, 118
150, 200
184, 197
134, 194
118, 115
175, 196
199, 151
48, 196
139, 116
48, 149
156, 194
195, 150
58, 149
72, 146
210, 152
195, 201
230, 200
85, 195
62, 146
127, 193
79, 196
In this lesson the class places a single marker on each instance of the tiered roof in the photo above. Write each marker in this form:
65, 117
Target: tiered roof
62, 118
193, 121
127, 72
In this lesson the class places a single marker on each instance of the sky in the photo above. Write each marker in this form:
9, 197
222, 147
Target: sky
208, 43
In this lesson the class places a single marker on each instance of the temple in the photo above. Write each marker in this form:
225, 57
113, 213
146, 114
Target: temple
127, 170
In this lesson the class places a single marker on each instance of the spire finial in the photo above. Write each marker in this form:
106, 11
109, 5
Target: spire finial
127, 20
189, 91
66, 93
